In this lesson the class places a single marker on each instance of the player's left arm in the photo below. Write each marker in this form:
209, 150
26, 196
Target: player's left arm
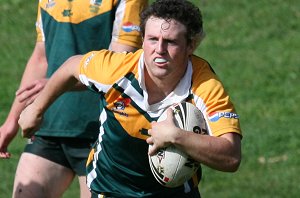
222, 153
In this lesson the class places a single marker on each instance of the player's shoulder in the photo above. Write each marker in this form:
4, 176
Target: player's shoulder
113, 65
200, 63
202, 70
204, 76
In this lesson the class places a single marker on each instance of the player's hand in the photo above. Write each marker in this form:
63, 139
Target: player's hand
30, 120
7, 132
163, 133
29, 92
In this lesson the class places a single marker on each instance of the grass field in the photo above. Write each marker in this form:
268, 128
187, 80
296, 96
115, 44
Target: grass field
254, 48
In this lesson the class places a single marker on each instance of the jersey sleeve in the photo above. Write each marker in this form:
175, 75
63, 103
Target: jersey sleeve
99, 70
39, 26
126, 28
214, 102
221, 114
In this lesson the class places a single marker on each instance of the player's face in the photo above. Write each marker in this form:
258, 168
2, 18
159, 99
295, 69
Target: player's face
165, 49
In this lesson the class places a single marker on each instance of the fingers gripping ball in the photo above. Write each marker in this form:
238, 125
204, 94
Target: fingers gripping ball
171, 166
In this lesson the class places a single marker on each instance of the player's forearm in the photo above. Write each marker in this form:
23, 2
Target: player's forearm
220, 153
15, 111
36, 67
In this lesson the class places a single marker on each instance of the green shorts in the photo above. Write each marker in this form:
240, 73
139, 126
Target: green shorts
69, 152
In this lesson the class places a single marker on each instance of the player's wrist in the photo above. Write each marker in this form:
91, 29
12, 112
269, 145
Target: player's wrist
177, 136
37, 108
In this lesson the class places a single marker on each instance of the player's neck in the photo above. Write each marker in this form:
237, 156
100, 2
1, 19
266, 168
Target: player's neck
158, 89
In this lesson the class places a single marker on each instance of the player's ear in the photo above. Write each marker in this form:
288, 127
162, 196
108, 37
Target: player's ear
195, 42
142, 42
192, 46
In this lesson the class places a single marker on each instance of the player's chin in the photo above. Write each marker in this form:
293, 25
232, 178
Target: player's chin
160, 73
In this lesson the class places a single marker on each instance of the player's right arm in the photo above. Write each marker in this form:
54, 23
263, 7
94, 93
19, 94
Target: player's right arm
35, 70
64, 79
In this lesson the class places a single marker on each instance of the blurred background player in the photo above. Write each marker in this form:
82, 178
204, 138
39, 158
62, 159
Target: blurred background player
59, 150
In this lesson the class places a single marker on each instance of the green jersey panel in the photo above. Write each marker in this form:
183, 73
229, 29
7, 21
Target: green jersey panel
69, 116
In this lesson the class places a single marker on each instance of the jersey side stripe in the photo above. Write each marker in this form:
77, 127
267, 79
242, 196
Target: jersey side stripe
93, 174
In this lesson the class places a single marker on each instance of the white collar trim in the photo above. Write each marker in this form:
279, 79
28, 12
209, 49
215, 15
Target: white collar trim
180, 93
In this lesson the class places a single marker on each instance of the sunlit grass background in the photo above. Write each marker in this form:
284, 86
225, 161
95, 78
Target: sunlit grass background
253, 46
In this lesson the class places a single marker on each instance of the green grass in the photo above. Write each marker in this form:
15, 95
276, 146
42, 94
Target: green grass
17, 40
253, 47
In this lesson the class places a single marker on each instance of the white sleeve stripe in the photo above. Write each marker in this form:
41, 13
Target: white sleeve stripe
201, 105
89, 82
120, 12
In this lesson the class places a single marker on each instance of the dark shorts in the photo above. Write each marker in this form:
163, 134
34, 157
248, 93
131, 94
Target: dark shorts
69, 152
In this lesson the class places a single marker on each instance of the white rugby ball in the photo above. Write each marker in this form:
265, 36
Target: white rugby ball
171, 166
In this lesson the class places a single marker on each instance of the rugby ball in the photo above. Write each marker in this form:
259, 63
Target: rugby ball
171, 166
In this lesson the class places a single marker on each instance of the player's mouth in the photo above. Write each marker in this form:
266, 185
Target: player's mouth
160, 60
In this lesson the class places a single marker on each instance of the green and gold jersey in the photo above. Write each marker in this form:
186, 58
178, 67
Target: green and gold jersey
118, 164
70, 27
